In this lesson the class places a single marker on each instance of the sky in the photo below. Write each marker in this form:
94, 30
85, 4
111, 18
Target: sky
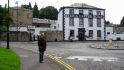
113, 8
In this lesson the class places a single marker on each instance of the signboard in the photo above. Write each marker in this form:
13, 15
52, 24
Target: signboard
31, 29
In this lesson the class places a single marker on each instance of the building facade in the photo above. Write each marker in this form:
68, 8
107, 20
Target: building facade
82, 22
44, 25
114, 33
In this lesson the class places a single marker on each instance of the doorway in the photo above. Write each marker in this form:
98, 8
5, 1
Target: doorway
81, 34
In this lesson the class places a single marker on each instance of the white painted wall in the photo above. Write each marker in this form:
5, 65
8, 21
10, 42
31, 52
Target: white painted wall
115, 36
76, 24
60, 24
19, 28
112, 35
108, 29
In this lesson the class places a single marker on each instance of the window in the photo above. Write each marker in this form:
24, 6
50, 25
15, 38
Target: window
81, 22
90, 11
71, 11
72, 33
98, 22
90, 33
98, 13
90, 22
108, 33
80, 12
71, 21
98, 33
58, 25
98, 19
54, 27
90, 14
90, 18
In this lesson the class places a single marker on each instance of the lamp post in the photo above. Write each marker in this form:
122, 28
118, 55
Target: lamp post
17, 19
8, 30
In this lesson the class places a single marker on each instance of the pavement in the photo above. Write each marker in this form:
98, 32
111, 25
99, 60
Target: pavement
30, 61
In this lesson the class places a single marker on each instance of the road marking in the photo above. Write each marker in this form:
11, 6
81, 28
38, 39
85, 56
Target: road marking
94, 58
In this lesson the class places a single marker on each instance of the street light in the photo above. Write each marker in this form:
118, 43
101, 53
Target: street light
17, 19
8, 30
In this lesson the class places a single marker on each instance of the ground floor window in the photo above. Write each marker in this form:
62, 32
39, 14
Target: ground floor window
72, 33
99, 33
90, 33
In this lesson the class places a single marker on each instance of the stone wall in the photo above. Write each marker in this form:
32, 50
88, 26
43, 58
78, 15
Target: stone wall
21, 16
22, 36
54, 35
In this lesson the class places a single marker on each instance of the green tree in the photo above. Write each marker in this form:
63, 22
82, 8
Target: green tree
27, 6
3, 12
30, 7
4, 19
35, 11
48, 12
122, 22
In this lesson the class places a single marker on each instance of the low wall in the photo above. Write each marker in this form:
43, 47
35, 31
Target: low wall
54, 35
22, 36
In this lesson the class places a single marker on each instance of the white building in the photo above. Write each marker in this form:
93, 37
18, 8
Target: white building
114, 33
82, 21
44, 25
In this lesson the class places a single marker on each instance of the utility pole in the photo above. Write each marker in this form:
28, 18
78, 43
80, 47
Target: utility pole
17, 19
8, 30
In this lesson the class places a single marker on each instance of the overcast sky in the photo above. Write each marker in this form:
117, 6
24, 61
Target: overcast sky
114, 8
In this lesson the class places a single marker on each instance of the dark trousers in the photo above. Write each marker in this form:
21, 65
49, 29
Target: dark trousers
41, 54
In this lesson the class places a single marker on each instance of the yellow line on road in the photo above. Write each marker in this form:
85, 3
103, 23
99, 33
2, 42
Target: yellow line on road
67, 66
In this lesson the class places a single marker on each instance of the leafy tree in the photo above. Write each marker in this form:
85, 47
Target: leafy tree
4, 19
107, 23
27, 6
122, 22
35, 11
49, 12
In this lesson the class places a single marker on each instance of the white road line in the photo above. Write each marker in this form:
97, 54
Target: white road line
94, 58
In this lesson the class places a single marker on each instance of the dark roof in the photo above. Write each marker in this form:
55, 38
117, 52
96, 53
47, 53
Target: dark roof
81, 6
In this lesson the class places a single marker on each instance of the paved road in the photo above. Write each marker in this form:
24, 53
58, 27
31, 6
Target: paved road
80, 56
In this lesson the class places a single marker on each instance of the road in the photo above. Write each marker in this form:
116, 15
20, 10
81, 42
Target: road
80, 56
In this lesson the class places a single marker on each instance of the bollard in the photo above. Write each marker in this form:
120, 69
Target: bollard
110, 42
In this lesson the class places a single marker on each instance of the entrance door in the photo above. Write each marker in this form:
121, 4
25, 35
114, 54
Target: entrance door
81, 34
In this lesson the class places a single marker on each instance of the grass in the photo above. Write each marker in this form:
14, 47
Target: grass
9, 60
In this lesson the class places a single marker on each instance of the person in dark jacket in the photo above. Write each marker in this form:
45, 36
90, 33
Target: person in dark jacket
42, 46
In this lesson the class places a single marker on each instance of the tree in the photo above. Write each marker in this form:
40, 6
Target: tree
3, 11
48, 12
35, 11
4, 19
122, 22
30, 7
27, 6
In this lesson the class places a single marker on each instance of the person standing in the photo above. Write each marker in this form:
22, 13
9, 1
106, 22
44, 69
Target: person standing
41, 46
